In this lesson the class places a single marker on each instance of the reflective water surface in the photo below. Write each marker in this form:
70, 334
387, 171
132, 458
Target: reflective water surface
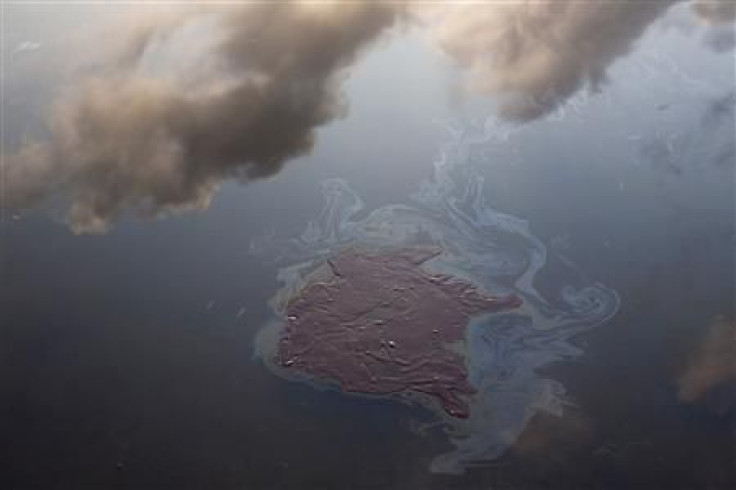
602, 194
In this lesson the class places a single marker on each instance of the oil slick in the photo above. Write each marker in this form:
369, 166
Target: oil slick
494, 251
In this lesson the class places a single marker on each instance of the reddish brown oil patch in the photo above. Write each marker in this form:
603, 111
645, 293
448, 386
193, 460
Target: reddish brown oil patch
381, 324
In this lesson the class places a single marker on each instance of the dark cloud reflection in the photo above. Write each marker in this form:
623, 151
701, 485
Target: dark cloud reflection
164, 122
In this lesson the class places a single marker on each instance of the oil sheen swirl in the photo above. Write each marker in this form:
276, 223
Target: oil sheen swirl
495, 251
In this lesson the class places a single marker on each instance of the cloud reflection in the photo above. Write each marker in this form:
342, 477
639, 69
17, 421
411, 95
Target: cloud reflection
196, 95
713, 363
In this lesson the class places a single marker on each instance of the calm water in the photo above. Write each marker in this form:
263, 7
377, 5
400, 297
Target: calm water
126, 359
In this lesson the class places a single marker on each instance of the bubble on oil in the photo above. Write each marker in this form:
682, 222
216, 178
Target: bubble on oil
494, 250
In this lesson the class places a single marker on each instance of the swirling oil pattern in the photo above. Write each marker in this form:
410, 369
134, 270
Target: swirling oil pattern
496, 251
